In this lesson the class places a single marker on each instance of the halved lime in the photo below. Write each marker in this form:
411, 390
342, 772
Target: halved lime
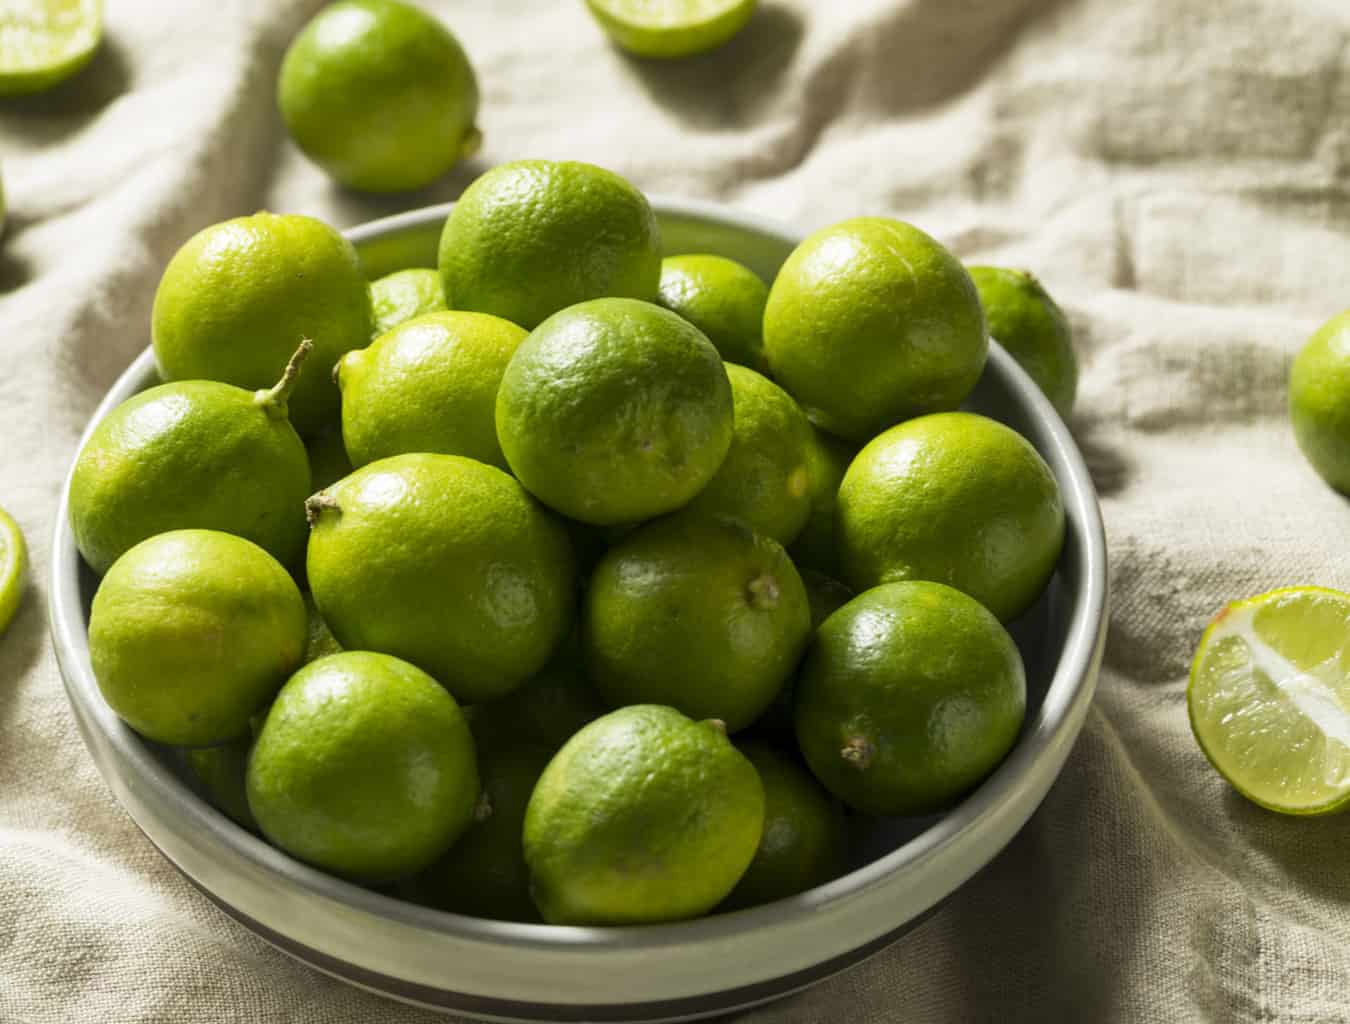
671, 28
43, 42
1269, 699
13, 567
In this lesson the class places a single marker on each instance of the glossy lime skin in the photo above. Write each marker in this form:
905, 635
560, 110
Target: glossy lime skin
45, 43
723, 299
364, 767
403, 295
871, 322
530, 238
643, 816
193, 631
615, 411
829, 459
673, 29
1025, 320
446, 563
192, 454
909, 696
428, 385
236, 300
704, 615
1319, 401
955, 498
380, 95
220, 771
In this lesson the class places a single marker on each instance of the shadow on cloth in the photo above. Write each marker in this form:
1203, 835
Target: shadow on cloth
76, 100
1297, 845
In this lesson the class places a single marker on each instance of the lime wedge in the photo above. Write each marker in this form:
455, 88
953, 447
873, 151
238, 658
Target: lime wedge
1269, 699
43, 42
671, 28
13, 566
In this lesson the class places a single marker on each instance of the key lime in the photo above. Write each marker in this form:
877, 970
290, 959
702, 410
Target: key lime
44, 42
723, 299
829, 459
1319, 401
403, 295
671, 28
1024, 319
13, 568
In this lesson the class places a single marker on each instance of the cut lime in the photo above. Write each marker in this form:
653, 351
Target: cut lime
13, 566
1269, 699
671, 28
44, 42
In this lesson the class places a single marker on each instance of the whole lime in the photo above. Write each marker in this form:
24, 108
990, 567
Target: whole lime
1025, 320
446, 563
871, 322
403, 295
671, 28
239, 296
643, 816
955, 498
220, 772
364, 767
191, 632
380, 95
829, 459
910, 695
723, 299
614, 411
1319, 401
428, 385
532, 237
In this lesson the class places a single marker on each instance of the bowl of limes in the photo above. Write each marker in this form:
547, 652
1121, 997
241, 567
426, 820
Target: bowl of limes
565, 605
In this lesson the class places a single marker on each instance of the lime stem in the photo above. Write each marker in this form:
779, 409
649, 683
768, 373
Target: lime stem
857, 752
274, 399
763, 592
716, 724
317, 504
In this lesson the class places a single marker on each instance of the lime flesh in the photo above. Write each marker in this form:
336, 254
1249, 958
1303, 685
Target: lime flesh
671, 28
44, 42
13, 567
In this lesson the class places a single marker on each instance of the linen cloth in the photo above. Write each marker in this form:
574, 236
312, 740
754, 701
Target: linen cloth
1177, 171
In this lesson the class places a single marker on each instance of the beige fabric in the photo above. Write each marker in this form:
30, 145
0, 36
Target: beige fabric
1178, 171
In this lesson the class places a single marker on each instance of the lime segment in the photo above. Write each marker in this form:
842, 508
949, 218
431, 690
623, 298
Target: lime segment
671, 28
13, 566
44, 42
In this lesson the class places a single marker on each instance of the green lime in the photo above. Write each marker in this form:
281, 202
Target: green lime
671, 28
1025, 320
429, 385
643, 816
220, 771
44, 42
723, 299
1319, 401
239, 296
955, 498
446, 563
13, 568
328, 462
871, 322
532, 237
2, 207
765, 479
547, 710
380, 95
829, 460
403, 295
191, 632
910, 695
614, 411
320, 641
1269, 699
704, 615
364, 767
193, 454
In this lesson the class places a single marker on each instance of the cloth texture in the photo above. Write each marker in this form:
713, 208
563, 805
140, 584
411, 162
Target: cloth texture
1176, 171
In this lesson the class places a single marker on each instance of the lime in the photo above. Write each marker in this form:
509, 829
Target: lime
13, 568
328, 462
910, 695
532, 237
1025, 320
671, 28
191, 632
429, 385
614, 411
192, 454
447, 563
870, 322
547, 710
1319, 401
239, 296
44, 42
643, 816
1269, 699
829, 459
320, 641
704, 615
364, 767
403, 295
765, 479
220, 771
723, 299
955, 498
380, 95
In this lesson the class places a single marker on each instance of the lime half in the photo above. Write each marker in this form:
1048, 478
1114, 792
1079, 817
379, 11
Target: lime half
44, 42
1269, 699
13, 566
671, 28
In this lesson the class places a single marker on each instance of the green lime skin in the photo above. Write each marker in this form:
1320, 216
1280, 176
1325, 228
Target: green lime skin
530, 238
955, 498
644, 816
364, 767
804, 842
815, 546
191, 632
704, 615
404, 294
320, 641
910, 695
220, 773
1025, 320
328, 462
871, 322
380, 95
615, 411
765, 479
239, 296
1319, 401
446, 563
429, 385
43, 44
13, 569
548, 710
723, 299
671, 28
